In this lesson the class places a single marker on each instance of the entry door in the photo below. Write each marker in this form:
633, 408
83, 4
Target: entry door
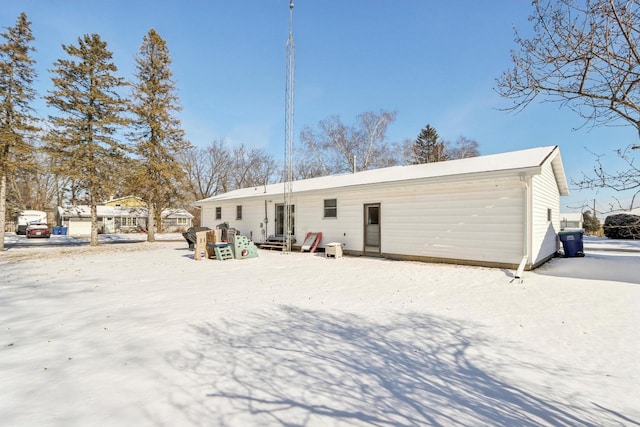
372, 228
109, 225
279, 223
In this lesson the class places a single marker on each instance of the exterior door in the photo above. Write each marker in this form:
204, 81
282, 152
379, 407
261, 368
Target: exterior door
109, 225
372, 228
279, 222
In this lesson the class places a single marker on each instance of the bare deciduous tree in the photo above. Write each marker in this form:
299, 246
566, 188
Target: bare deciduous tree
586, 56
621, 180
217, 168
334, 147
463, 148
251, 167
207, 169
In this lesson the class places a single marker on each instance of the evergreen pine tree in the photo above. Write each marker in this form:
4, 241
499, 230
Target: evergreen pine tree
158, 136
428, 148
83, 140
17, 122
590, 223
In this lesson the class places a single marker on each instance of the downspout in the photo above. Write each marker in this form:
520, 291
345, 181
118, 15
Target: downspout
527, 227
265, 232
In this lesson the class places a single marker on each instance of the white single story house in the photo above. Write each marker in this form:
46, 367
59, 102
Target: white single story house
119, 219
571, 220
491, 210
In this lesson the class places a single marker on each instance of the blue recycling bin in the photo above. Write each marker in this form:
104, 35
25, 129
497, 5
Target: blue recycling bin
572, 242
63, 230
56, 229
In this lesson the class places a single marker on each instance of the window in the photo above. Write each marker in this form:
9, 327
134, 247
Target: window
549, 215
219, 212
129, 221
331, 208
181, 221
239, 212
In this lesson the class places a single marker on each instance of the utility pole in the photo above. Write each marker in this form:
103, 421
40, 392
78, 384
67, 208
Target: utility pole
288, 143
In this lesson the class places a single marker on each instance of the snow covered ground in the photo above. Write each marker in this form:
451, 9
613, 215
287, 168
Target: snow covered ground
141, 334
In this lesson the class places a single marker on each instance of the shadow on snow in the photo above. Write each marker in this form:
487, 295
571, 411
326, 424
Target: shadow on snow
300, 367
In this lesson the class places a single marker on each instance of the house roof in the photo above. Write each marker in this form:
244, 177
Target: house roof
528, 161
84, 211
176, 213
126, 201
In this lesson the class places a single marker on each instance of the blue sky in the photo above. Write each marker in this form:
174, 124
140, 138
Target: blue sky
434, 62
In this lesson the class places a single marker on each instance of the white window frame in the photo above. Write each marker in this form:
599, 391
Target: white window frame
330, 209
129, 221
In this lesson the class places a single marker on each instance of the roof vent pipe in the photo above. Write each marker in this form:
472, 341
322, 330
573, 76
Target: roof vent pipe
354, 164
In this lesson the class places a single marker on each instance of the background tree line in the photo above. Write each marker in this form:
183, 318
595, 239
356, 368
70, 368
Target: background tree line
104, 141
106, 137
335, 147
109, 137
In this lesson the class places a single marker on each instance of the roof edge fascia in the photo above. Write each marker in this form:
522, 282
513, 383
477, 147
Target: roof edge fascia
516, 172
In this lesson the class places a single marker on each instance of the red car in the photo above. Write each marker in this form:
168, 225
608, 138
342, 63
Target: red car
38, 230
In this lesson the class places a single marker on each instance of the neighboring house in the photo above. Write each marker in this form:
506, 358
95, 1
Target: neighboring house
489, 210
173, 219
176, 220
571, 220
119, 219
111, 219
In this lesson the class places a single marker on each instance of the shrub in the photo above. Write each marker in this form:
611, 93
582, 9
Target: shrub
622, 226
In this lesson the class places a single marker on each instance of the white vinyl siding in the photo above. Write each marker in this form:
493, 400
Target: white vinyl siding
481, 221
477, 221
473, 221
252, 217
489, 217
545, 196
208, 216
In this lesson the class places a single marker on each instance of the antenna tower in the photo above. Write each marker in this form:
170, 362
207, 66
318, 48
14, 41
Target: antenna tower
288, 143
